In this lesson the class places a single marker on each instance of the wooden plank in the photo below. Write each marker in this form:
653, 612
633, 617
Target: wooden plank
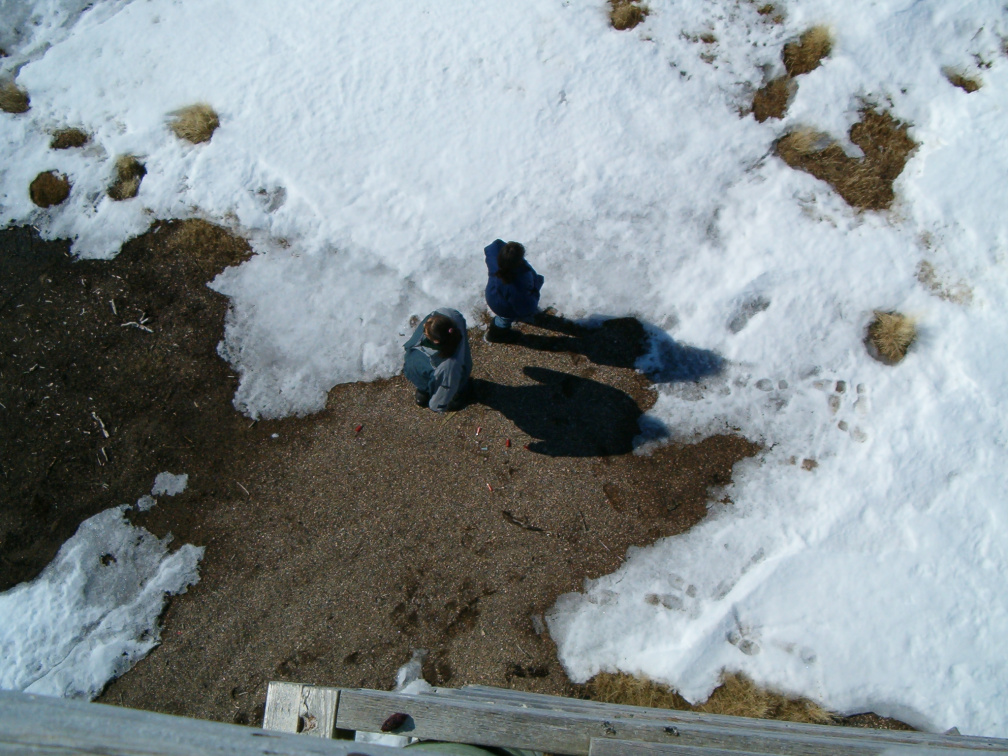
558, 703
319, 711
609, 747
283, 707
44, 726
482, 722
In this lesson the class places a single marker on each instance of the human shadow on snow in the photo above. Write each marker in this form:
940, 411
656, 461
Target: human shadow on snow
570, 416
626, 343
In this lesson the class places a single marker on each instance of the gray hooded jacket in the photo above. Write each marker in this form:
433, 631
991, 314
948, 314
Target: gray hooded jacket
441, 377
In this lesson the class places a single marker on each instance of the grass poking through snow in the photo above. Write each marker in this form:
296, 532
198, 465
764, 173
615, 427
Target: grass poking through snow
49, 188
64, 139
13, 99
865, 183
129, 173
807, 53
961, 80
890, 335
624, 14
736, 696
772, 99
195, 123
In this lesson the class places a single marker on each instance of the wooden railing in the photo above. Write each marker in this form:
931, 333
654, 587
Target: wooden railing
497, 717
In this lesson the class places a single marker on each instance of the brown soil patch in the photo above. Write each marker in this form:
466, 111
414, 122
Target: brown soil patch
773, 98
13, 99
807, 52
332, 552
195, 123
129, 174
624, 14
65, 139
865, 183
965, 83
48, 189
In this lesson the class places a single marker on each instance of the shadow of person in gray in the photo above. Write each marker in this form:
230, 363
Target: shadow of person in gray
627, 343
568, 415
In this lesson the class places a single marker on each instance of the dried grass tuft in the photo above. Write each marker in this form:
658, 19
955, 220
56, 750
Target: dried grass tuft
49, 188
625, 14
865, 183
807, 53
64, 139
773, 98
890, 335
961, 80
195, 123
13, 99
129, 174
736, 696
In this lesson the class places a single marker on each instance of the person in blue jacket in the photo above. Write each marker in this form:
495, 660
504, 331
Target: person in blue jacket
512, 290
438, 362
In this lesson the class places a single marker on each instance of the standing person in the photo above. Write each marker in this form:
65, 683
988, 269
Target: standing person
438, 362
512, 290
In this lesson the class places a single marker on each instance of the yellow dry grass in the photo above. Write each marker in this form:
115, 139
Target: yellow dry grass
771, 100
64, 139
13, 99
129, 173
736, 696
961, 80
49, 188
865, 183
624, 14
891, 334
805, 55
195, 123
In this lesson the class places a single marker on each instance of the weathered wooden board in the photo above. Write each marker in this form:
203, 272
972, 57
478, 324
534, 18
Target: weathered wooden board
607, 747
304, 709
559, 703
40, 725
486, 722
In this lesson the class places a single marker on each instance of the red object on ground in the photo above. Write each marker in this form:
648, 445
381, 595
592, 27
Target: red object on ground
526, 447
507, 443
478, 429
489, 488
358, 429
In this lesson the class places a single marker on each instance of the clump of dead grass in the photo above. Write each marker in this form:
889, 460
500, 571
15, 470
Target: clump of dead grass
736, 696
129, 174
769, 10
49, 188
626, 14
773, 98
64, 139
890, 335
195, 123
807, 52
961, 80
865, 183
13, 99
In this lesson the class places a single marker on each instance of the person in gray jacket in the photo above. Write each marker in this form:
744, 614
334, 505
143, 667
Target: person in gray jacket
438, 361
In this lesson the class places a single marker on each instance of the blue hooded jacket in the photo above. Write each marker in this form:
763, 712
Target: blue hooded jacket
441, 377
517, 299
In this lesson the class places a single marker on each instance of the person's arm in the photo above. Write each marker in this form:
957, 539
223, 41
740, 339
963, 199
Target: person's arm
447, 377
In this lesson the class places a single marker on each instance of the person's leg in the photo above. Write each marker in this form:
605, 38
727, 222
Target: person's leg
502, 322
422, 398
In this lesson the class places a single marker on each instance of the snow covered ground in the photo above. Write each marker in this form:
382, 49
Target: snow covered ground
370, 152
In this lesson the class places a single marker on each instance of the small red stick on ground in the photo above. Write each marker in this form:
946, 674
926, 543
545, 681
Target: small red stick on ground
489, 488
507, 443
478, 429
358, 429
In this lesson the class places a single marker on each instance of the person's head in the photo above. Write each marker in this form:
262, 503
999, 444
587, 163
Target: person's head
510, 261
443, 332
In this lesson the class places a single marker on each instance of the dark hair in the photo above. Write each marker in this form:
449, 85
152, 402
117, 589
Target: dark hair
444, 333
510, 261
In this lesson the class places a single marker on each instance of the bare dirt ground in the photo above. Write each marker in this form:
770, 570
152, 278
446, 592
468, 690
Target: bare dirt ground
331, 553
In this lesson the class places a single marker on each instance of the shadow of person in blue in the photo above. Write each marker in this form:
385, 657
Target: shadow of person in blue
627, 343
568, 415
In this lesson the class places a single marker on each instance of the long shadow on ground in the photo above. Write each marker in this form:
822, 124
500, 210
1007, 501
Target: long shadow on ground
571, 416
625, 343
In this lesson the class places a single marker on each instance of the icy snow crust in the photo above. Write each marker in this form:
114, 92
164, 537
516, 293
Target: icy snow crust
93, 612
370, 156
